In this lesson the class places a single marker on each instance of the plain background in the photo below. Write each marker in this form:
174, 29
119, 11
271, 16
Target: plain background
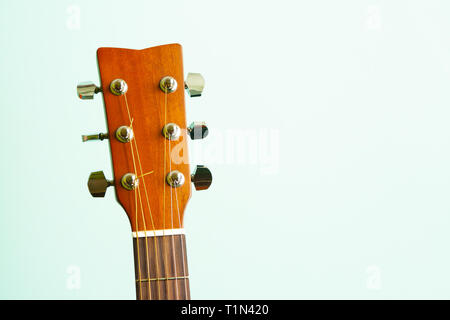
351, 98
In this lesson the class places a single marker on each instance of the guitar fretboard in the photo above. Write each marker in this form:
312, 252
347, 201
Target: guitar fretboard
161, 268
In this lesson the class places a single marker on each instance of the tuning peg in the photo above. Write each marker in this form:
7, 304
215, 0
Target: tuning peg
194, 84
98, 184
201, 178
86, 90
98, 136
197, 130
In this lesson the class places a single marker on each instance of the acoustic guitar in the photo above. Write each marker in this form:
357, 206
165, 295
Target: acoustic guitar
144, 99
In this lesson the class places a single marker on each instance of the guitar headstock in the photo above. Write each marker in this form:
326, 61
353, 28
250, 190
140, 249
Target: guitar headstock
144, 100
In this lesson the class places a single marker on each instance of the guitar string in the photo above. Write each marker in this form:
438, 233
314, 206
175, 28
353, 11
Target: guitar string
142, 208
172, 237
137, 246
170, 163
142, 175
164, 199
138, 192
151, 218
182, 247
146, 243
137, 239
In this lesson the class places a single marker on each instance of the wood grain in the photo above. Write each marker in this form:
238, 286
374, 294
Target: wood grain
143, 70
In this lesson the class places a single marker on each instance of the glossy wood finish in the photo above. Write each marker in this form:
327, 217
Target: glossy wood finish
164, 258
154, 205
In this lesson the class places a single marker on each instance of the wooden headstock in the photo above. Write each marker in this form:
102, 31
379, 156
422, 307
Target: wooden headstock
144, 101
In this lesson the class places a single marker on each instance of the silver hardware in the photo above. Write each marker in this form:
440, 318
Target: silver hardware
124, 134
97, 184
168, 84
197, 130
87, 89
129, 181
171, 131
118, 87
175, 179
201, 178
98, 136
194, 84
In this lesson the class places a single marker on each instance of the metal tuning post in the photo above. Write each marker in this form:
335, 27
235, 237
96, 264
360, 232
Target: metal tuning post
201, 177
194, 84
118, 87
168, 84
129, 181
124, 134
86, 90
175, 179
97, 184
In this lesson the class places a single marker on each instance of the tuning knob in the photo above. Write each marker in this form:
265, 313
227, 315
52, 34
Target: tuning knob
201, 178
197, 130
98, 136
98, 184
86, 90
194, 84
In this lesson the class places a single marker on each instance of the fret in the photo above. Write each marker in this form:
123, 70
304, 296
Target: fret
166, 290
162, 279
161, 267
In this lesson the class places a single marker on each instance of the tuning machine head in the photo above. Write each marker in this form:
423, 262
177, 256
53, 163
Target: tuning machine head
97, 184
86, 90
197, 130
201, 177
194, 84
97, 136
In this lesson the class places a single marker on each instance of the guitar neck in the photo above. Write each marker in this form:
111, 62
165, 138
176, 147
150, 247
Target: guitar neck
161, 266
143, 94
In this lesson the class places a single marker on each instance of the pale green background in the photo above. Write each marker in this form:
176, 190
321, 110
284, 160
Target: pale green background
358, 92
